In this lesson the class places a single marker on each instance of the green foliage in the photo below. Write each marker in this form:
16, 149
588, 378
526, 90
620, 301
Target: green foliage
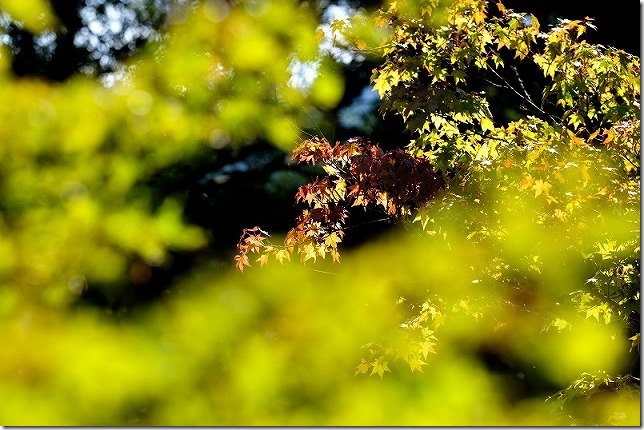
77, 158
517, 238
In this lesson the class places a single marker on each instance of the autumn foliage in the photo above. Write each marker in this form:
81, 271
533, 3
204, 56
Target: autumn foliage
545, 193
504, 290
358, 174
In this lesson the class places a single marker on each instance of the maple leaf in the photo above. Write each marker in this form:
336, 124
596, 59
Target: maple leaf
382, 86
308, 195
263, 259
487, 124
241, 261
382, 199
336, 255
427, 347
561, 324
309, 252
438, 320
332, 240
281, 255
360, 201
380, 367
541, 187
594, 311
254, 242
415, 363
362, 368
560, 215
635, 341
321, 251
340, 188
526, 182
354, 190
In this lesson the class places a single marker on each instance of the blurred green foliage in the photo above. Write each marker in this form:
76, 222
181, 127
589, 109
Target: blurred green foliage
287, 345
76, 156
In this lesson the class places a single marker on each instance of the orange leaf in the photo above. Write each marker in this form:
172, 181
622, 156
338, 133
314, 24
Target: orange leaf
241, 261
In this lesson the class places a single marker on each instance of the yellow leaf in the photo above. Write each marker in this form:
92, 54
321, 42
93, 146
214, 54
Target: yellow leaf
541, 187
438, 320
575, 139
526, 182
319, 35
335, 255
581, 30
263, 259
560, 215
332, 240
379, 367
575, 120
427, 347
309, 252
635, 341
487, 124
341, 188
483, 152
381, 199
281, 255
321, 251
593, 134
362, 368
415, 363
594, 311
561, 324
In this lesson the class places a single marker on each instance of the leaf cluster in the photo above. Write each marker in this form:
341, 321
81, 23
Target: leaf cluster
565, 171
359, 174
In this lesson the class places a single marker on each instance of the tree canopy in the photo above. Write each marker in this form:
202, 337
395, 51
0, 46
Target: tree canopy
500, 152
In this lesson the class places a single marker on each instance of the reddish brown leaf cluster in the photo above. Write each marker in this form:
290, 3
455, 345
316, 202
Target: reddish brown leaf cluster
358, 174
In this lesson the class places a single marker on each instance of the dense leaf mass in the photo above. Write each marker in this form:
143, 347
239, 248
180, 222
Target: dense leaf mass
551, 186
